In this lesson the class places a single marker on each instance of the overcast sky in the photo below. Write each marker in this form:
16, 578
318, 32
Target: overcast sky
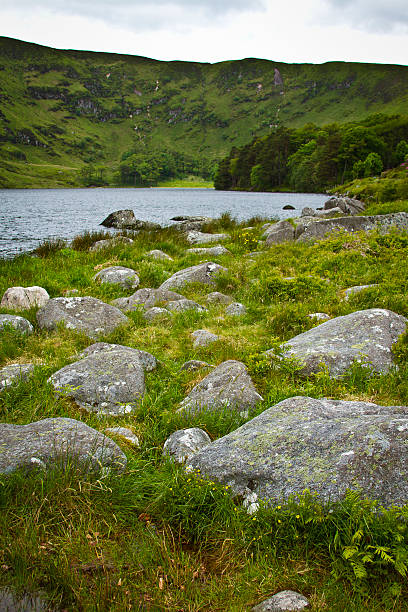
216, 30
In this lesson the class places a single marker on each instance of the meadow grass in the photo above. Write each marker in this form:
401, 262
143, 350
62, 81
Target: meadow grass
157, 538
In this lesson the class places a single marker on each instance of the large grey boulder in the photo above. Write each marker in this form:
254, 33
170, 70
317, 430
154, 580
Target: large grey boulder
148, 361
58, 441
283, 231
289, 601
318, 229
84, 314
147, 298
365, 336
18, 323
203, 273
22, 298
107, 381
100, 245
182, 444
125, 219
15, 373
323, 445
228, 386
118, 275
194, 237
350, 206
211, 251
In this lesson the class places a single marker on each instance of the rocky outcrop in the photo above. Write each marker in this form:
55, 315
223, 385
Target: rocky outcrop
84, 314
118, 275
15, 373
56, 442
203, 273
326, 446
18, 323
182, 444
365, 336
227, 387
22, 298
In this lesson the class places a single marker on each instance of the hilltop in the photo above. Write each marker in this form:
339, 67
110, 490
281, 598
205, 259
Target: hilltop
61, 111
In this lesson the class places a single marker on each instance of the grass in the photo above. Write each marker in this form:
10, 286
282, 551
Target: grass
157, 538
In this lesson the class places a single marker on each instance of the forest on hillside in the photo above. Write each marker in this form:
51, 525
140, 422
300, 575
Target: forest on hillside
314, 158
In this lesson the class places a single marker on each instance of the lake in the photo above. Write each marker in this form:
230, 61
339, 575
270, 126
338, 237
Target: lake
29, 216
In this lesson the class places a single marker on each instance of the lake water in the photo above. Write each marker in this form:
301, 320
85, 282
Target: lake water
29, 216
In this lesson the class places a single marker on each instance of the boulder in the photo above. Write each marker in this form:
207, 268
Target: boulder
283, 601
125, 219
84, 314
308, 212
236, 309
211, 251
125, 433
332, 212
202, 337
118, 275
288, 207
282, 231
183, 305
16, 322
218, 298
22, 298
15, 373
182, 444
147, 298
318, 229
203, 273
356, 289
323, 445
193, 218
148, 361
228, 386
195, 364
109, 243
56, 442
107, 381
153, 313
346, 205
365, 336
158, 255
194, 237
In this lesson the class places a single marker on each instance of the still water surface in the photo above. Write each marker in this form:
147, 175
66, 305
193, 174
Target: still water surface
29, 216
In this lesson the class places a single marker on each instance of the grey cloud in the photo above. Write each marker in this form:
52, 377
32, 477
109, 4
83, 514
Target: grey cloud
371, 15
140, 15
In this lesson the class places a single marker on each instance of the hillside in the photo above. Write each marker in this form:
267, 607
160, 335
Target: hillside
61, 110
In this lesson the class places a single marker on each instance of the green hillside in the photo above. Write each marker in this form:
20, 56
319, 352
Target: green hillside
61, 111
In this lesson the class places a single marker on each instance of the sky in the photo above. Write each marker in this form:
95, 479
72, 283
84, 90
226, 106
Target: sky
292, 31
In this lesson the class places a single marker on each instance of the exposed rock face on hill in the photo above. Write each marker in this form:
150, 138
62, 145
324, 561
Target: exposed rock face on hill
325, 446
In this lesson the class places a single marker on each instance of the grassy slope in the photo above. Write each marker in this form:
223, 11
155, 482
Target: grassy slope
83, 107
155, 539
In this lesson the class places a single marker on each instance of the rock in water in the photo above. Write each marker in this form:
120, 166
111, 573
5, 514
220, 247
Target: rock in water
228, 386
84, 314
22, 298
56, 442
203, 273
109, 379
365, 336
325, 446
125, 219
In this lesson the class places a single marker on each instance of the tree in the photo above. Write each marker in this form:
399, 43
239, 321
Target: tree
373, 164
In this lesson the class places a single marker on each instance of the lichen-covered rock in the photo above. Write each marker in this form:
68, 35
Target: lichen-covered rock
203, 337
52, 442
182, 444
118, 275
158, 255
218, 298
109, 381
84, 314
194, 237
350, 206
288, 601
236, 309
14, 373
203, 273
323, 445
184, 305
147, 298
356, 289
211, 251
148, 361
318, 229
125, 433
365, 336
22, 298
228, 386
19, 323
283, 231
155, 312
100, 245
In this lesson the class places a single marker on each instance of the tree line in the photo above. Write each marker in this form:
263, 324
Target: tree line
313, 158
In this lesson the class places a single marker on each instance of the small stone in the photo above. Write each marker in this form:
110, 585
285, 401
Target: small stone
218, 298
158, 255
18, 323
155, 312
183, 305
235, 309
202, 337
15, 373
126, 433
99, 245
182, 444
195, 364
22, 298
285, 600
